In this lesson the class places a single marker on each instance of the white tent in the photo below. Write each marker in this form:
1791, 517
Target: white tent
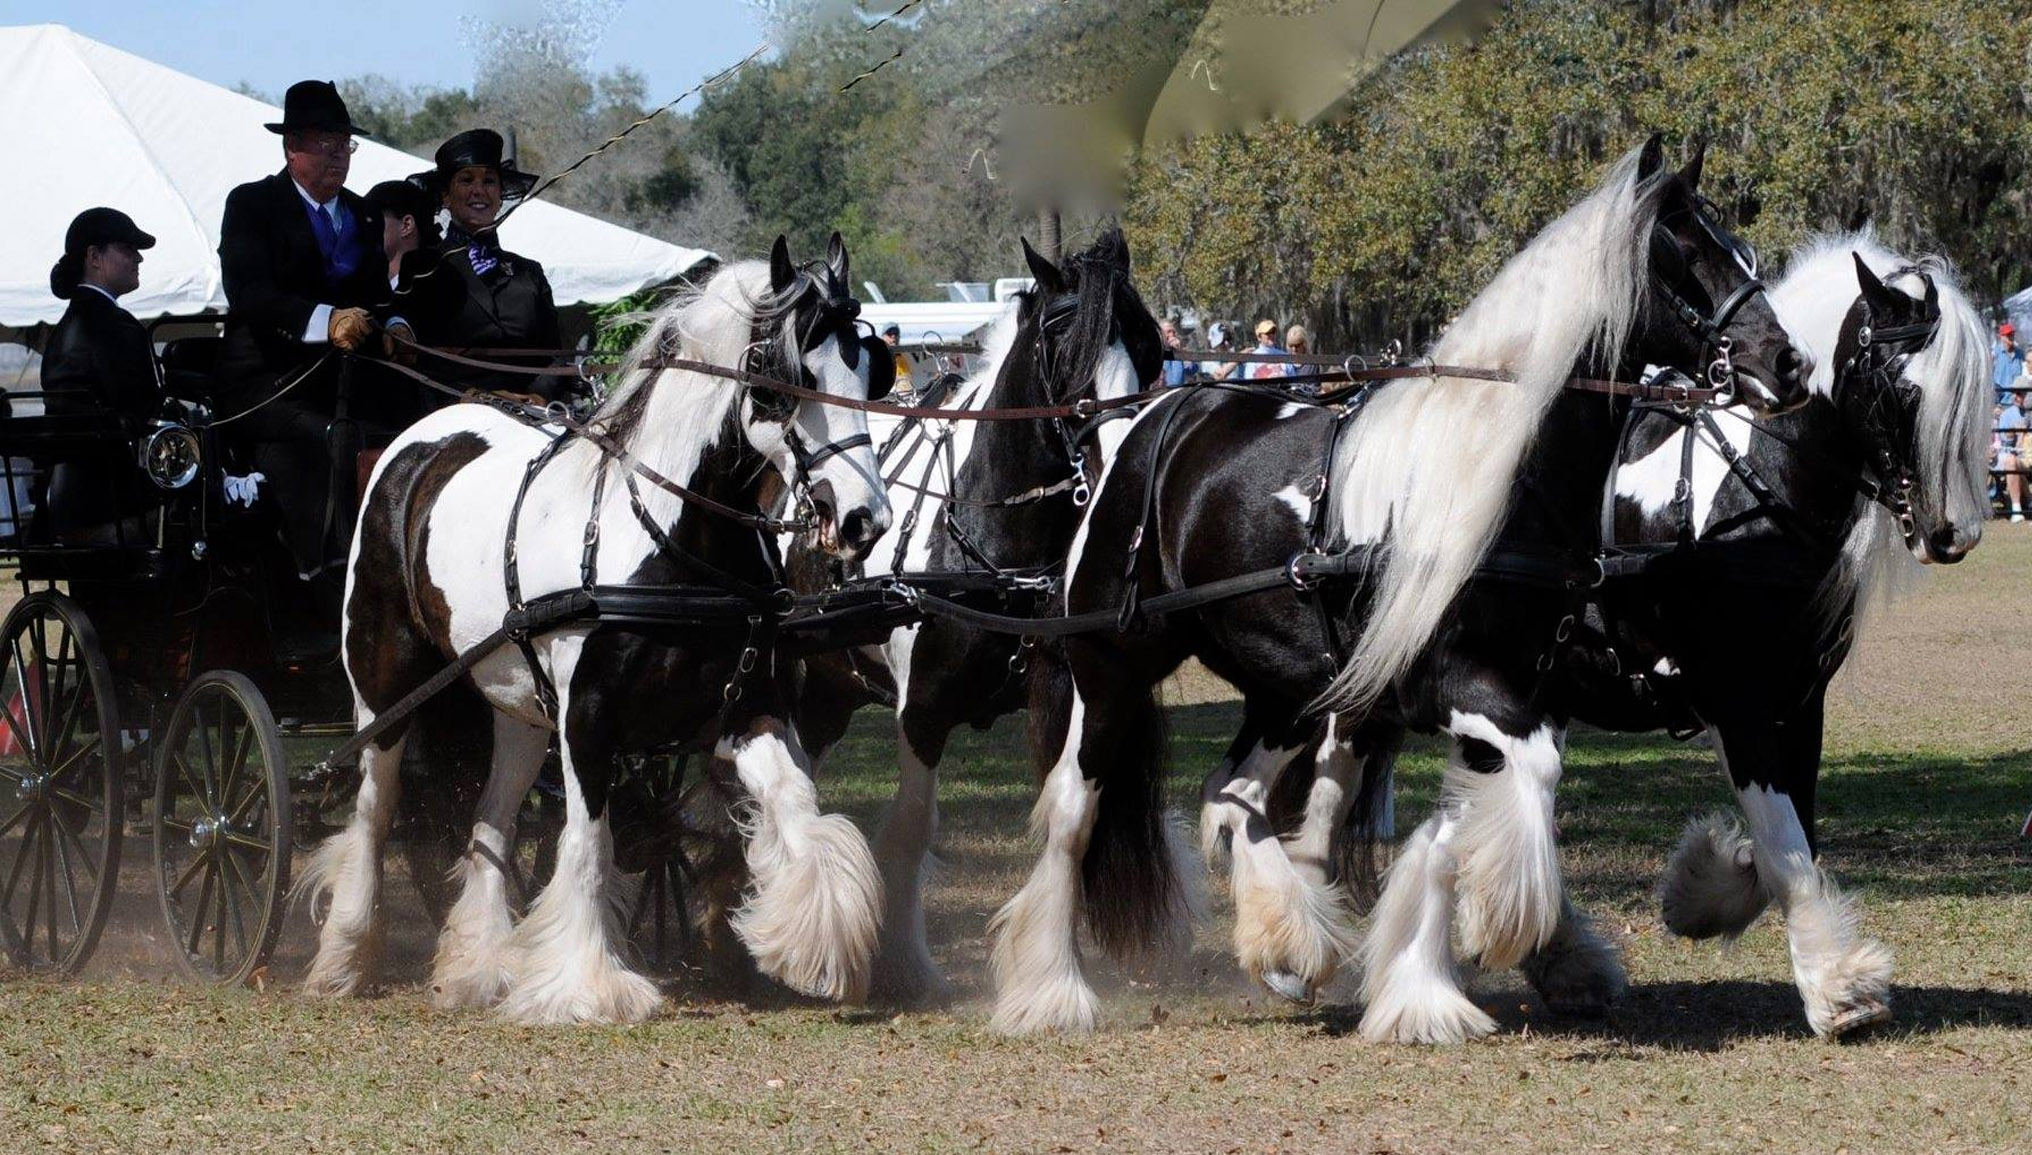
85, 124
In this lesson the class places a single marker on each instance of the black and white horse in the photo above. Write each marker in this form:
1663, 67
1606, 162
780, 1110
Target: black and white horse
1822, 510
1900, 410
1082, 332
428, 579
1444, 478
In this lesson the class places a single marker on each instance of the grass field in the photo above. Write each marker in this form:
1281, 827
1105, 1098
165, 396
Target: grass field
1927, 780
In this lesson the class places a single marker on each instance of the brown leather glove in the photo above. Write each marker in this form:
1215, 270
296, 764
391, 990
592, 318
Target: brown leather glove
350, 328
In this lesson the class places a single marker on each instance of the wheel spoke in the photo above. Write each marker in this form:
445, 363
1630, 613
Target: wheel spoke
78, 840
249, 842
257, 792
20, 812
234, 765
189, 872
34, 889
52, 676
76, 759
24, 729
49, 888
197, 789
210, 762
234, 872
12, 775
197, 924
70, 879
219, 919
21, 855
62, 729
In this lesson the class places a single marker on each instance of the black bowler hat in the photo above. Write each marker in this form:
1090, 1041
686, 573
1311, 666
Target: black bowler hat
315, 106
104, 226
481, 147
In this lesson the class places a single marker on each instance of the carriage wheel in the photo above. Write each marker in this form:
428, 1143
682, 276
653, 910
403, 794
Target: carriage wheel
60, 796
222, 828
649, 842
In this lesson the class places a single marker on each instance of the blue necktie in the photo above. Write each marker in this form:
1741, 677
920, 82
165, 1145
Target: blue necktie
327, 233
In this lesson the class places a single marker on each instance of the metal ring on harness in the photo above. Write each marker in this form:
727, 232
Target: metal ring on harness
1299, 582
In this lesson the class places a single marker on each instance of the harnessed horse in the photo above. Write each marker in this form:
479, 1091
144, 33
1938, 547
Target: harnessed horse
996, 501
1464, 507
472, 516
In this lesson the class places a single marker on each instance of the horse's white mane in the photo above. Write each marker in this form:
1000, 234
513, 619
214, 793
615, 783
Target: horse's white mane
670, 417
1953, 375
1429, 466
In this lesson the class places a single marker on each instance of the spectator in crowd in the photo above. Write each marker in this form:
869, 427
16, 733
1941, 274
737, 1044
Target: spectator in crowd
1221, 340
2010, 359
2010, 449
1297, 340
1174, 369
1266, 342
893, 336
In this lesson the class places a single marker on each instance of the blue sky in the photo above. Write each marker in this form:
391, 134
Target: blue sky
675, 43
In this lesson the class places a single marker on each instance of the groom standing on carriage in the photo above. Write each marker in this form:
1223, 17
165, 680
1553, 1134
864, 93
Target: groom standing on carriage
304, 276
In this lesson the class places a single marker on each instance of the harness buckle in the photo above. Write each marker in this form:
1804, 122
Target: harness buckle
1864, 336
1299, 581
1082, 493
592, 536
1084, 407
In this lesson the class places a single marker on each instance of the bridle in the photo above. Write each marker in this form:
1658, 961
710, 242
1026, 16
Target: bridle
1884, 413
1669, 268
1049, 359
839, 316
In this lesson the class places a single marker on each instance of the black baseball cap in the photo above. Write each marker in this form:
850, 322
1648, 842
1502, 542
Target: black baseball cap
104, 226
891, 331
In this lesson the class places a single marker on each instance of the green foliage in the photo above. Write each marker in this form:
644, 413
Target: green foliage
1913, 112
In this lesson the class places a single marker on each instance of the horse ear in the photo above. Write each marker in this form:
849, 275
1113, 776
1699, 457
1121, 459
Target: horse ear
1873, 286
1652, 160
836, 262
781, 271
1690, 173
1048, 277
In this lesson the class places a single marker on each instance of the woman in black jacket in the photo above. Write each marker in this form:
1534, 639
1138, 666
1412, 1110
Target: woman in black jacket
469, 292
99, 361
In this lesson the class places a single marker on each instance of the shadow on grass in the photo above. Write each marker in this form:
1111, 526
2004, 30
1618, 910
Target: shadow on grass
1714, 1016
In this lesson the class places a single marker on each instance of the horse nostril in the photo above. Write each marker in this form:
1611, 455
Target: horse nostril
1793, 366
1946, 544
859, 528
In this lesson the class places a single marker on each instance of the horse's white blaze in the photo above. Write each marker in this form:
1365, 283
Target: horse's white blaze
812, 914
1114, 377
1409, 981
1038, 983
1507, 858
1840, 972
855, 483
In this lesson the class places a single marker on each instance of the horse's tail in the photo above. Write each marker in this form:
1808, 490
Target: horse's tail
1370, 823
1133, 872
1132, 876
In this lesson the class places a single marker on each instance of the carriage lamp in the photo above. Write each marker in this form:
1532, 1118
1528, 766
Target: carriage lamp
170, 455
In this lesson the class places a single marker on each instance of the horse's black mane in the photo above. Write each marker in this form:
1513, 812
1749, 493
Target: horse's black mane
1099, 301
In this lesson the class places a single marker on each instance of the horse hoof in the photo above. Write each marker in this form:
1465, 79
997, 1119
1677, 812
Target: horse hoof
1289, 987
1859, 1017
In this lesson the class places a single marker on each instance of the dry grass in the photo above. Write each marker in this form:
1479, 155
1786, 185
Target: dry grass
1927, 780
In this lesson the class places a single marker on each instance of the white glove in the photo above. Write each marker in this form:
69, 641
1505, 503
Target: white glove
244, 491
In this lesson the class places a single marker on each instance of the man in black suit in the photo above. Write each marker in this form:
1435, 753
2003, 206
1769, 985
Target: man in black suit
304, 275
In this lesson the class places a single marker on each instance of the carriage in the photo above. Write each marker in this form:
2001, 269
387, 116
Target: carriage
153, 695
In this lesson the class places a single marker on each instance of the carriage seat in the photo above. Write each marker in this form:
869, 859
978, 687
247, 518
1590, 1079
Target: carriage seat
188, 365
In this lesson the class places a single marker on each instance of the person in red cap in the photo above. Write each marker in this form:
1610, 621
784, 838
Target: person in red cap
2010, 362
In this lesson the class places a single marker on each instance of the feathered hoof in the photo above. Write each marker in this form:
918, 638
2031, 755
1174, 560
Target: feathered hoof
341, 967
614, 997
1289, 987
330, 981
813, 919
1857, 1018
909, 983
1283, 926
1065, 1005
1711, 887
1856, 995
1437, 1016
1577, 974
467, 988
